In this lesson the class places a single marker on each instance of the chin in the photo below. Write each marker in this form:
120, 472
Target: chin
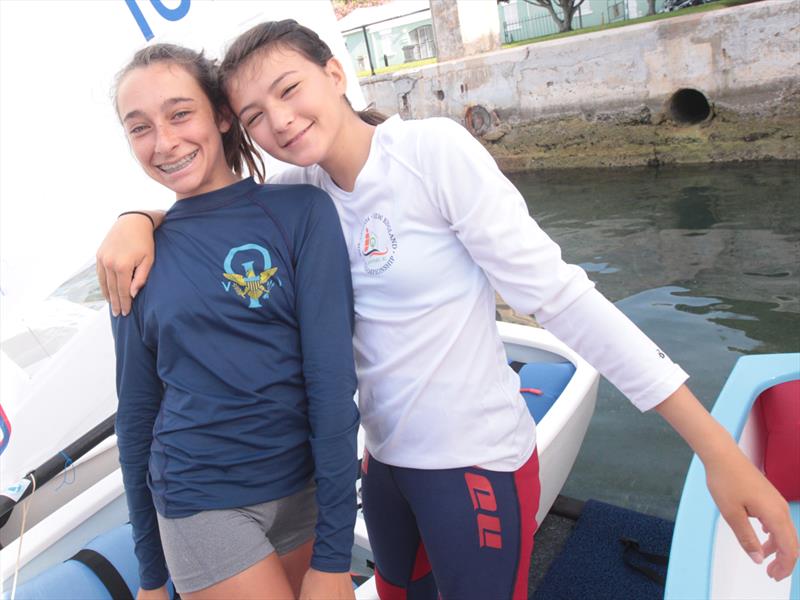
303, 159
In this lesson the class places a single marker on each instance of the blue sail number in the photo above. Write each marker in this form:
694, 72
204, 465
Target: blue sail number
170, 14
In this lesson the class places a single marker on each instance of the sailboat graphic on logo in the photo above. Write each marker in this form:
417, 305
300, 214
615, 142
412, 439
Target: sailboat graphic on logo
371, 245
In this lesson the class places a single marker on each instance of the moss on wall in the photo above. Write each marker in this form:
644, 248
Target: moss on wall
639, 140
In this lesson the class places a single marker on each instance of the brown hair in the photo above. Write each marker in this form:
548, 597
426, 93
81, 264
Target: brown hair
237, 146
288, 33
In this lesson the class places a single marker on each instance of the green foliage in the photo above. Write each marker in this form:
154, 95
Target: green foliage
343, 7
400, 67
657, 17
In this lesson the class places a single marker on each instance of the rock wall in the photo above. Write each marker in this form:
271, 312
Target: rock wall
723, 85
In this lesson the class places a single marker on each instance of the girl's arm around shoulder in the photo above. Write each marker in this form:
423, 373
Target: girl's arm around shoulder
127, 253
125, 258
324, 306
139, 393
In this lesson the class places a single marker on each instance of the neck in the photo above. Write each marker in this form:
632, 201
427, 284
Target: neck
350, 153
222, 181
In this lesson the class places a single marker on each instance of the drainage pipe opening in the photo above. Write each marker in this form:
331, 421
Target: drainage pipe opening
688, 106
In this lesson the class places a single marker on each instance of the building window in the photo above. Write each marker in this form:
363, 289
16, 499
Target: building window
422, 45
511, 16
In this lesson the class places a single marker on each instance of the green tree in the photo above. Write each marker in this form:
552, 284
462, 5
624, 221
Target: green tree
343, 7
568, 9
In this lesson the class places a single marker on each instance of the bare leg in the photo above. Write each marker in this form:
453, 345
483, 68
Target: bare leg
265, 580
296, 563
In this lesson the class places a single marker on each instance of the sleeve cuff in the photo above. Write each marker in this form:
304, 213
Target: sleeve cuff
330, 566
661, 390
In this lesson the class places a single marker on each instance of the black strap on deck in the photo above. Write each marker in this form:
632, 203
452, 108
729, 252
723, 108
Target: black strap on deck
105, 572
632, 549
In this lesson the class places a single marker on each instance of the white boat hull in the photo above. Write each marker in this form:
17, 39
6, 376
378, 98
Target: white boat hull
60, 530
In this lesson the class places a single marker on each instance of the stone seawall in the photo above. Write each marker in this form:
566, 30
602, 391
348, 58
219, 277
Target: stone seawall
718, 86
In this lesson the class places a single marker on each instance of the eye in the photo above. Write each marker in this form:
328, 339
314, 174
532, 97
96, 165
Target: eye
253, 118
138, 129
181, 114
288, 90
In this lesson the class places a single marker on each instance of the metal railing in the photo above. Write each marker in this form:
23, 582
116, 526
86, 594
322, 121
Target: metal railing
544, 24
526, 29
416, 49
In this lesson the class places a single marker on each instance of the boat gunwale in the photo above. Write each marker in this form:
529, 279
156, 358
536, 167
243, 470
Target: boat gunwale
689, 574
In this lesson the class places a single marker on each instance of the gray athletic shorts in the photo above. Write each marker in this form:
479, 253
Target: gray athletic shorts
213, 545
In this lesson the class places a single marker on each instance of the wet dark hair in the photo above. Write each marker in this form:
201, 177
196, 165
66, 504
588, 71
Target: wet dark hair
237, 145
288, 34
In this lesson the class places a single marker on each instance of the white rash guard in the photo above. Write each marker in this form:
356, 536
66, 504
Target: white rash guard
433, 228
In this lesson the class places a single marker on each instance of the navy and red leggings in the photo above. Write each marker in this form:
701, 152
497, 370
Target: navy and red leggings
454, 534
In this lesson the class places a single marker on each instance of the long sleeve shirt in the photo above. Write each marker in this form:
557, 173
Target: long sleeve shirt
235, 371
433, 228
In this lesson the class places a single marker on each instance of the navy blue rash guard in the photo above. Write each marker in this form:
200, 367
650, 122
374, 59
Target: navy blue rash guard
235, 372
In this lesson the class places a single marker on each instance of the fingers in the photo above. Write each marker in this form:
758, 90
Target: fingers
123, 289
101, 278
770, 546
140, 276
740, 524
111, 293
783, 541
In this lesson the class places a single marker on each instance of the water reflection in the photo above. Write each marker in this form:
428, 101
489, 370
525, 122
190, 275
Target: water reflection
704, 260
695, 208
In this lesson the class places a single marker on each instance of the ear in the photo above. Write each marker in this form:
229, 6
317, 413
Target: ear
224, 120
335, 70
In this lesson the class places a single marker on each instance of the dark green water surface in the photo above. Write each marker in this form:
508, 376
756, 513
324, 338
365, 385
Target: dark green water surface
705, 260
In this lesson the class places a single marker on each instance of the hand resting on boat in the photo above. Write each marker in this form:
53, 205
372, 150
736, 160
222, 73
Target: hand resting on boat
738, 488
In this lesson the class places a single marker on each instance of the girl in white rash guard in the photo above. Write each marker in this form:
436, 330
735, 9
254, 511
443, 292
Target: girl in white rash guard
433, 228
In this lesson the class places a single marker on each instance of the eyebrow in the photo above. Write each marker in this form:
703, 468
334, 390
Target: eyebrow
272, 86
167, 103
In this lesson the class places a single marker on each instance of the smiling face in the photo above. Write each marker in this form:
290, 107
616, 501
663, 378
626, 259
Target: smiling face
173, 130
293, 108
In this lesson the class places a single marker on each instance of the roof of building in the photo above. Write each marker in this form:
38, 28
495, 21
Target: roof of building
373, 14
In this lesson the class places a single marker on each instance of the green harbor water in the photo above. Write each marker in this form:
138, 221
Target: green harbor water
705, 260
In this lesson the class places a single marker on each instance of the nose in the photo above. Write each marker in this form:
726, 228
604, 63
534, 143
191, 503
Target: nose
166, 140
281, 117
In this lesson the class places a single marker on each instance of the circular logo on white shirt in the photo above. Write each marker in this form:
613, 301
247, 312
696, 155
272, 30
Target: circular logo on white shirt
377, 244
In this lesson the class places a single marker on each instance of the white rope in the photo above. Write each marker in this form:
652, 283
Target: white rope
25, 508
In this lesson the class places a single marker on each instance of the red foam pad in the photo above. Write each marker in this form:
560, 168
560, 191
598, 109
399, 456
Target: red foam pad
780, 405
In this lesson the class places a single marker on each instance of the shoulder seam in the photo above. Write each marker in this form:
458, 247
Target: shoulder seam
412, 169
279, 226
398, 159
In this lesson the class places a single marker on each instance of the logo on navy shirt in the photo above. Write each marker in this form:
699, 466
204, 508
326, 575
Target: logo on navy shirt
254, 283
377, 244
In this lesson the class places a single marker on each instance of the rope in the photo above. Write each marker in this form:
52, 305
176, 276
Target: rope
536, 391
67, 471
21, 534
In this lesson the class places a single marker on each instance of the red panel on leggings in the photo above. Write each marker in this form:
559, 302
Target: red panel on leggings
526, 479
421, 564
388, 591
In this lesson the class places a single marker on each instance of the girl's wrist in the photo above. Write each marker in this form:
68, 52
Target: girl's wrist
138, 212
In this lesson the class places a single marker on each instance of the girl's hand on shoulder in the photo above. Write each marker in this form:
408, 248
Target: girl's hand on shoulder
318, 585
741, 491
156, 594
124, 260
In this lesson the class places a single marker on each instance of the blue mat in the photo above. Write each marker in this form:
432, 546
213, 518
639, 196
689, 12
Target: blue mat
592, 562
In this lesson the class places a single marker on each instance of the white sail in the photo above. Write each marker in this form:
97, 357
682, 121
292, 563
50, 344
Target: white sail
66, 173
